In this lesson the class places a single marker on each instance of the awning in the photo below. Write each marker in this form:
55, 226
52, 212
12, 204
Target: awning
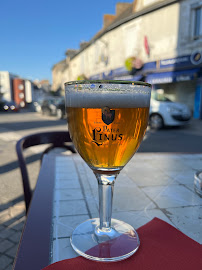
172, 76
129, 78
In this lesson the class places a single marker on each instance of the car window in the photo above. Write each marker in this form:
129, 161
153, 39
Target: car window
159, 97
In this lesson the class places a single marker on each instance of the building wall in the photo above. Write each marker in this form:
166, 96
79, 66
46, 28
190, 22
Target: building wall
28, 91
5, 85
169, 32
19, 92
58, 72
161, 28
183, 92
141, 4
112, 49
186, 42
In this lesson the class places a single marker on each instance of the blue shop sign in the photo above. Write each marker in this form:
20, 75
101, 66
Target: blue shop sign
182, 62
172, 76
195, 59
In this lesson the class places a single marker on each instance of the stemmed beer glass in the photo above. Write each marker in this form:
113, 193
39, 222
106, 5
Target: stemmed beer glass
107, 121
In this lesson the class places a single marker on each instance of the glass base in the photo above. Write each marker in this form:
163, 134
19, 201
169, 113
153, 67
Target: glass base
114, 244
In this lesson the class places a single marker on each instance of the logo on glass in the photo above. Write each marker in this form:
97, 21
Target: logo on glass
108, 115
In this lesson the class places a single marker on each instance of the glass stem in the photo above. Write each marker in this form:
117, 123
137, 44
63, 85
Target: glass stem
105, 190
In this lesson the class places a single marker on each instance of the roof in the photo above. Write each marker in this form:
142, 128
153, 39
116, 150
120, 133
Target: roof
124, 14
62, 64
125, 17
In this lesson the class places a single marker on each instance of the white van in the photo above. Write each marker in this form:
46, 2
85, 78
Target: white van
164, 112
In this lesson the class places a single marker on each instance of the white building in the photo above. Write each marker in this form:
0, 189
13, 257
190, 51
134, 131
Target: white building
6, 85
157, 41
14, 88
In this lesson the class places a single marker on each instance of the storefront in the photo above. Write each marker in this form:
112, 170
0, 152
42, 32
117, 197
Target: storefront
180, 79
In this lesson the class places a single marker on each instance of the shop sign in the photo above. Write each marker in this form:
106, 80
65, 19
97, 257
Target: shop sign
174, 76
195, 59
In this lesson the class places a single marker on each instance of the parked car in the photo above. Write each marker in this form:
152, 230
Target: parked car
37, 105
6, 106
60, 109
48, 106
53, 106
164, 112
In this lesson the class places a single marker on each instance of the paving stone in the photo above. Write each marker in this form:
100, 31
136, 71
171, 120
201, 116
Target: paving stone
92, 206
172, 196
188, 220
5, 261
69, 194
123, 180
139, 218
2, 228
9, 267
17, 209
149, 177
62, 250
11, 220
183, 177
76, 207
4, 216
15, 237
131, 199
62, 184
6, 233
64, 226
5, 206
5, 245
12, 251
17, 224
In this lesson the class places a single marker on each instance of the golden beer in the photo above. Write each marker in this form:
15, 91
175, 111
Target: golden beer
107, 121
107, 137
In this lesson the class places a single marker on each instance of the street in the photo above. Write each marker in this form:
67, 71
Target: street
15, 125
185, 139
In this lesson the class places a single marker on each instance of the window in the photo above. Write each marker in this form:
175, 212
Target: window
197, 22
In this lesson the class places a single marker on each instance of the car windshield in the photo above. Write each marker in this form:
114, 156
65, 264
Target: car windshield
159, 96
59, 100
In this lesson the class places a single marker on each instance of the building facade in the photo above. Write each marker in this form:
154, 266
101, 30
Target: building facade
157, 41
6, 81
13, 88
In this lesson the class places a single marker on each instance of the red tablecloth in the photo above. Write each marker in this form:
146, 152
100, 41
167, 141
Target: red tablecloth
162, 247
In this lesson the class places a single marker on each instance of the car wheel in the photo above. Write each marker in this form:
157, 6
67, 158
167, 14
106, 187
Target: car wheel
46, 112
59, 114
156, 121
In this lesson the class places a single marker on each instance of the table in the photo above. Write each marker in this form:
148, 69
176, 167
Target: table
160, 185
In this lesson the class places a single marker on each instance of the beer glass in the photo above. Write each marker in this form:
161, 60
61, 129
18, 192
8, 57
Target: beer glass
107, 121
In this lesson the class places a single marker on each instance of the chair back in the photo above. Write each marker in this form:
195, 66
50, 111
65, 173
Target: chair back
55, 138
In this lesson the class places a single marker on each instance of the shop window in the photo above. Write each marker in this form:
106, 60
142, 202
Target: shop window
197, 22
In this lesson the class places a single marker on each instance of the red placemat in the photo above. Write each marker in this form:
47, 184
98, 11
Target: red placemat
162, 247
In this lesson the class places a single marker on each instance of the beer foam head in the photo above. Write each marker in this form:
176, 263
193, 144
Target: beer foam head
99, 95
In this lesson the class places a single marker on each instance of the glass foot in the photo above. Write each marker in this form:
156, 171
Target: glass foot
114, 244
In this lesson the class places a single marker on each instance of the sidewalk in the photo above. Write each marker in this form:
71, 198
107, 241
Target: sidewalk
151, 184
11, 225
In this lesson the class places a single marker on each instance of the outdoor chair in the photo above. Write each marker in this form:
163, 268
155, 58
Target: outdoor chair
57, 139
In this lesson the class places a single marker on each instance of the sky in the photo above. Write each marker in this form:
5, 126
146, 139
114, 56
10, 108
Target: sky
35, 34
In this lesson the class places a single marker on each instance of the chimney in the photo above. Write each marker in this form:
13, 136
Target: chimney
108, 19
138, 5
83, 45
71, 52
121, 7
